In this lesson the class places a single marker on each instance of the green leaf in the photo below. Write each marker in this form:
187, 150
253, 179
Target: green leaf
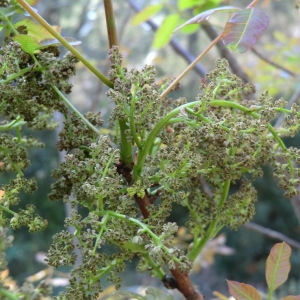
190, 29
36, 30
204, 16
278, 265
199, 4
164, 32
28, 43
244, 28
186, 4
153, 293
31, 44
38, 37
242, 291
146, 14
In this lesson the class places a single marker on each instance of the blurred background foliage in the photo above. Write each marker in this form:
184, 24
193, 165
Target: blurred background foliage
280, 44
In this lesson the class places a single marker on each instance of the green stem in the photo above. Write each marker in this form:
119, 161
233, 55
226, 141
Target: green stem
165, 121
10, 25
104, 174
159, 273
19, 74
190, 67
131, 117
125, 143
8, 295
103, 226
50, 29
7, 210
254, 114
157, 241
210, 233
231, 104
203, 118
282, 145
212, 229
110, 23
270, 295
225, 192
75, 110
13, 124
145, 228
67, 102
105, 270
147, 145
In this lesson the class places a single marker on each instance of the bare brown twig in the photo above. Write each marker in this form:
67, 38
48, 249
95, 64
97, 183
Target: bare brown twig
272, 234
185, 286
225, 53
273, 63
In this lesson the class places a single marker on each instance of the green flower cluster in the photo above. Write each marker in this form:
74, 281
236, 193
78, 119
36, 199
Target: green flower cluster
28, 100
123, 188
27, 86
188, 153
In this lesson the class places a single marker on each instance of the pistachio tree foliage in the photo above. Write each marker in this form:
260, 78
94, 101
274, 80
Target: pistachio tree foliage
122, 186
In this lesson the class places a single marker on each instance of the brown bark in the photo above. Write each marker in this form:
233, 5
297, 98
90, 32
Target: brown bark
143, 203
185, 286
182, 281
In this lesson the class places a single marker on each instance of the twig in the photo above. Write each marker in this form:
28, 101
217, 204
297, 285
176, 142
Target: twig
51, 30
110, 23
272, 63
185, 286
225, 53
186, 55
252, 4
272, 234
190, 66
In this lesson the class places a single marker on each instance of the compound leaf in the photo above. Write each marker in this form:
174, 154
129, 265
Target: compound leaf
242, 291
278, 265
37, 30
163, 34
28, 43
244, 29
204, 16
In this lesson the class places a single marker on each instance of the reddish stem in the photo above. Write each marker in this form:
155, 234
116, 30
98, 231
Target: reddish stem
185, 286
252, 4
